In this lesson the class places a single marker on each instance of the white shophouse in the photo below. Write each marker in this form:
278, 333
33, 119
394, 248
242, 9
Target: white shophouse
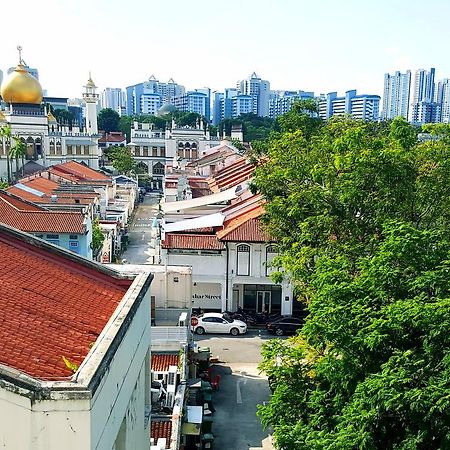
230, 256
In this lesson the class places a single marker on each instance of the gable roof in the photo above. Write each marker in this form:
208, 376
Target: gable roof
79, 173
23, 216
52, 304
40, 190
239, 171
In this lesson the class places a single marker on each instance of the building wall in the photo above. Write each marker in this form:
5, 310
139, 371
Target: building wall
72, 420
67, 241
121, 397
209, 271
44, 425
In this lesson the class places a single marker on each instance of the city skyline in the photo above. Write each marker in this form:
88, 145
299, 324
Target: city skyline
215, 44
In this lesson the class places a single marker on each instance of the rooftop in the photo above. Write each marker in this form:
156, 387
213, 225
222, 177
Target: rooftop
162, 361
23, 216
53, 305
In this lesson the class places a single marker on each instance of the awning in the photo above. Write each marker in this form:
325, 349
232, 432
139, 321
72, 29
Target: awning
210, 220
211, 199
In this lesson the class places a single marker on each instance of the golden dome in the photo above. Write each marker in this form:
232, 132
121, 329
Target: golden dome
21, 87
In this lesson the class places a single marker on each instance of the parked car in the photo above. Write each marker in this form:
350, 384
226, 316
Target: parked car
284, 325
217, 323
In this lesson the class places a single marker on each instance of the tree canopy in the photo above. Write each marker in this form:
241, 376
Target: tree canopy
122, 159
361, 213
108, 120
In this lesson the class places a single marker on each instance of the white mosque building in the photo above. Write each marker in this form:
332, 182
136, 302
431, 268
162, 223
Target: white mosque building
47, 141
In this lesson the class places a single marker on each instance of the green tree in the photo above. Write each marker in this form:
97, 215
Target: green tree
97, 237
108, 120
5, 135
361, 215
124, 126
18, 151
122, 159
64, 117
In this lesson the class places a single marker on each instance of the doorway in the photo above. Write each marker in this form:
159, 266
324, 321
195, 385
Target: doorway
263, 302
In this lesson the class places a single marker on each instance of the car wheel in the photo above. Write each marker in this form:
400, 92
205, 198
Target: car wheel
200, 330
279, 332
234, 332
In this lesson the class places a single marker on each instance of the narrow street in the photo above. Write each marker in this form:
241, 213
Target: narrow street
139, 249
242, 388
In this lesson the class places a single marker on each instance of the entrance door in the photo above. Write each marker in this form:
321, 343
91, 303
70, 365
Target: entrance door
263, 301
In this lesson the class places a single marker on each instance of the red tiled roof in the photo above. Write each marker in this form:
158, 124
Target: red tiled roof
192, 242
19, 203
249, 231
37, 221
161, 362
51, 306
79, 172
241, 170
49, 188
161, 429
112, 137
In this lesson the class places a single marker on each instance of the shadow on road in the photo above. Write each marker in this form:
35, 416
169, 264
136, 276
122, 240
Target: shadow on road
236, 425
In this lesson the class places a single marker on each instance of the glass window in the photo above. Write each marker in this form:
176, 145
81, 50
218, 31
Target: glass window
243, 260
270, 254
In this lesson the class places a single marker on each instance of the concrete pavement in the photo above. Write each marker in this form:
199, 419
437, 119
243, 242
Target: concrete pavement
140, 249
242, 388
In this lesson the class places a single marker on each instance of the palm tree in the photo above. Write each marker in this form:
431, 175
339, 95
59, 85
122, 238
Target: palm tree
5, 133
18, 151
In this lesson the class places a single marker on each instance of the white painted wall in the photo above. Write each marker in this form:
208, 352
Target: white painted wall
71, 419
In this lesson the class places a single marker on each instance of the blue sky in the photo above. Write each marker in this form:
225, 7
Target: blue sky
295, 44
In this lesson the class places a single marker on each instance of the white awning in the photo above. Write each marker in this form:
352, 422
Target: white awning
209, 220
211, 199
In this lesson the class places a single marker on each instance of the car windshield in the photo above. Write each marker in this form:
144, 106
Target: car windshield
228, 318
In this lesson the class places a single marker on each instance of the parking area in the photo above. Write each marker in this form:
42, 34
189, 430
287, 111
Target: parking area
241, 389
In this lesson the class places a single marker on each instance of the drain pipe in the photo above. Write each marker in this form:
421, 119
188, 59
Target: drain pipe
226, 277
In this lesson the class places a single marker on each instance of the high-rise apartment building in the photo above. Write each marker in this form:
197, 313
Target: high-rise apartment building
423, 109
197, 101
113, 98
443, 100
281, 101
259, 90
364, 107
396, 95
148, 97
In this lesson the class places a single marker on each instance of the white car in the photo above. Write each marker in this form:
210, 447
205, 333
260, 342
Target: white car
217, 323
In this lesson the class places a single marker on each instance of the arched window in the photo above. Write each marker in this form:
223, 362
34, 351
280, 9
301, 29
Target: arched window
30, 147
158, 169
52, 147
38, 146
243, 260
58, 148
271, 252
142, 167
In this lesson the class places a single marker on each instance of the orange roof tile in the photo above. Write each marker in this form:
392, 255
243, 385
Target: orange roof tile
77, 172
161, 361
249, 231
192, 242
37, 221
161, 429
51, 306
